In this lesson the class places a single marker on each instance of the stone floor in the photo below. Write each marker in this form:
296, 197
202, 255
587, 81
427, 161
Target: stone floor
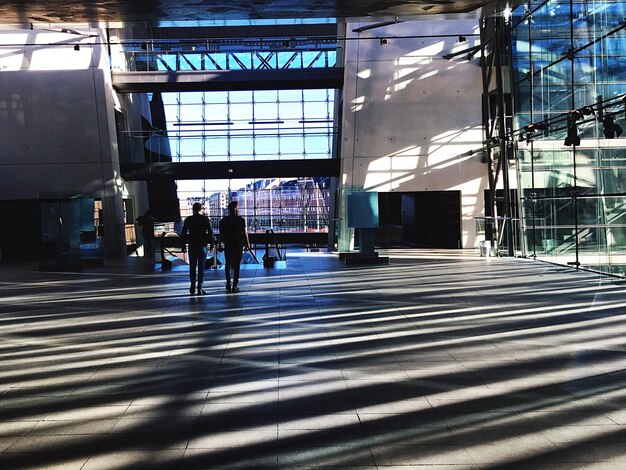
437, 360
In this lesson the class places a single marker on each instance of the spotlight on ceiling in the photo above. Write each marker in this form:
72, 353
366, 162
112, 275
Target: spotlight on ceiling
462, 38
611, 129
383, 41
77, 47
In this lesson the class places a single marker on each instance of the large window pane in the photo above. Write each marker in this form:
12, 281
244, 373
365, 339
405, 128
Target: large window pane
572, 198
266, 148
291, 111
290, 204
290, 95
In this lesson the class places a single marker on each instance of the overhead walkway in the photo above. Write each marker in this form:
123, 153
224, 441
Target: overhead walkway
437, 360
276, 57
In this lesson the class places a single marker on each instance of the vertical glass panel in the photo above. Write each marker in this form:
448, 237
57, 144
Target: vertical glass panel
190, 98
216, 149
241, 112
191, 113
218, 97
571, 198
315, 95
266, 148
241, 148
191, 146
292, 111
216, 112
169, 99
267, 112
316, 144
290, 95
265, 96
240, 96
315, 110
291, 147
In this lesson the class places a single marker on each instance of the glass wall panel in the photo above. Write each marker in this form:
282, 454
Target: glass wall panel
266, 148
568, 73
216, 112
255, 125
290, 95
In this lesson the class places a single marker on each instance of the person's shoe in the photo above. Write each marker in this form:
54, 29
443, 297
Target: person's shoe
192, 290
228, 288
235, 288
201, 291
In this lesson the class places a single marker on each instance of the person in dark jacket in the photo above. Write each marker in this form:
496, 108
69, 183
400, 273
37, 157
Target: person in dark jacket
234, 237
147, 227
197, 233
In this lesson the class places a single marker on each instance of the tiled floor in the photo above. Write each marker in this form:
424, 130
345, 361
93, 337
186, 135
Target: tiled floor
437, 360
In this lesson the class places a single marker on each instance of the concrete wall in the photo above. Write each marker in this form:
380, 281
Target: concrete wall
57, 121
409, 115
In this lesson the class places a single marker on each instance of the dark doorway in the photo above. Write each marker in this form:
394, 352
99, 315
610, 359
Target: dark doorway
20, 239
424, 219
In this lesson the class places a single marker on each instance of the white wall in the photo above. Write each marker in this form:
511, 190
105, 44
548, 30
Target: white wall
409, 115
57, 120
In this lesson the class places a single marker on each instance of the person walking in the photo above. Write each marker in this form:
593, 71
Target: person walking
234, 238
197, 233
147, 228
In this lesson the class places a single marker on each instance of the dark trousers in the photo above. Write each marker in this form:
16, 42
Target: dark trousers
148, 247
197, 259
232, 257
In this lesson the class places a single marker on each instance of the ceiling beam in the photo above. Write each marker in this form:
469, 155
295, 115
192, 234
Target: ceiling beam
166, 171
228, 80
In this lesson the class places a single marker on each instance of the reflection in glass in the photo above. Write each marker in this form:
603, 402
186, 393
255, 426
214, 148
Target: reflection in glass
573, 199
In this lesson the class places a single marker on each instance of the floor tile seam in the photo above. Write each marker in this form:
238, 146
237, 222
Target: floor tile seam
355, 407
24, 433
458, 443
326, 331
181, 339
221, 362
281, 311
98, 434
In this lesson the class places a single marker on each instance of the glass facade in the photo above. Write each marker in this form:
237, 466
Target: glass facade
250, 125
266, 125
569, 84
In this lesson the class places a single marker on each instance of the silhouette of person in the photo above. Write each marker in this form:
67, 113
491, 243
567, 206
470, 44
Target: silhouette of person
197, 233
147, 228
234, 237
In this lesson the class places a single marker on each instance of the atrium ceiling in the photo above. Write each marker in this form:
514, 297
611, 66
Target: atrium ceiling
152, 12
